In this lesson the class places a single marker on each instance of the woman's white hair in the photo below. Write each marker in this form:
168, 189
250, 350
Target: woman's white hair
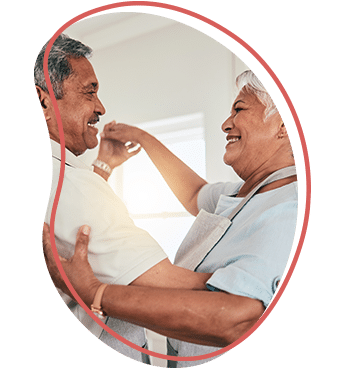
248, 82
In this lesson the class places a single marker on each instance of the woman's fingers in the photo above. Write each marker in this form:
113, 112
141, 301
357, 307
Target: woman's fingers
113, 135
109, 126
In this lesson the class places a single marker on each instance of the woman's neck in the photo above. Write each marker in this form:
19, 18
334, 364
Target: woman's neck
262, 172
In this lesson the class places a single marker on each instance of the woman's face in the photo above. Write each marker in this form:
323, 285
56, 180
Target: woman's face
251, 141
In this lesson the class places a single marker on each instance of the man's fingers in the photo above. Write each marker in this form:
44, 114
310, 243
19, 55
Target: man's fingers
133, 147
135, 151
130, 145
82, 240
46, 234
62, 259
46, 242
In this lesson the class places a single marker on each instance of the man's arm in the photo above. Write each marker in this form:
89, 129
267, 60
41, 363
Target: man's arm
207, 318
164, 274
182, 180
201, 317
113, 153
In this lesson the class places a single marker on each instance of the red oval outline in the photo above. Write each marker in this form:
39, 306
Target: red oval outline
62, 168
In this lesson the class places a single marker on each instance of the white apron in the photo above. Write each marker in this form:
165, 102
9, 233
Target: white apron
201, 239
209, 228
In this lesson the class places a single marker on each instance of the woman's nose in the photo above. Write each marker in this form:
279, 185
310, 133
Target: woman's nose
227, 125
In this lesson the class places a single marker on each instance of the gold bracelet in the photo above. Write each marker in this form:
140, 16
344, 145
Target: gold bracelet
96, 307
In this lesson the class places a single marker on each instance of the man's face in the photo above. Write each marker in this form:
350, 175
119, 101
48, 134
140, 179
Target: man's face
80, 107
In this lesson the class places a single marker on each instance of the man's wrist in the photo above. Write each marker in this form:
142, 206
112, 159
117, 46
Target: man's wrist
102, 168
101, 173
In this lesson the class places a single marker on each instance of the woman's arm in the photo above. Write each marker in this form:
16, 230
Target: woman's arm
181, 179
201, 317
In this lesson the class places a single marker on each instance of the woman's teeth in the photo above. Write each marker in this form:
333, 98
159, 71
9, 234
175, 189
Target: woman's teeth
91, 124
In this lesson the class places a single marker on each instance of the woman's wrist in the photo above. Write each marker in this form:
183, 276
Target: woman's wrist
141, 136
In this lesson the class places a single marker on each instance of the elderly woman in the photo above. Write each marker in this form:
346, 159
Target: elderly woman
243, 233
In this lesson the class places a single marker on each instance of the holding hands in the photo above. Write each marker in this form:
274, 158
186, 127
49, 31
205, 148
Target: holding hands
115, 148
122, 132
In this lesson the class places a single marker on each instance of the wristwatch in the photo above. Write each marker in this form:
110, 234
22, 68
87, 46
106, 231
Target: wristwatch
96, 307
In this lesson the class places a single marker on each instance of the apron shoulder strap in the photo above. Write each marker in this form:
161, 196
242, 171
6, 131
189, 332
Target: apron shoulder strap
278, 175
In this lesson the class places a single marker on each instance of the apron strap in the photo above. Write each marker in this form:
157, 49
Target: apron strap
278, 175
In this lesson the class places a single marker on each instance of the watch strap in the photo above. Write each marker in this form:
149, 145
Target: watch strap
96, 306
103, 166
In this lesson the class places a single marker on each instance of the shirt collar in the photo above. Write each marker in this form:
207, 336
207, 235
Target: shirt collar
71, 159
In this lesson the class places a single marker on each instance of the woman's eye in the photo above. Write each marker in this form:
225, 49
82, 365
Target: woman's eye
237, 110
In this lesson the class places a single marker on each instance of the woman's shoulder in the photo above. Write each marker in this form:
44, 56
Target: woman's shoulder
210, 194
286, 193
225, 188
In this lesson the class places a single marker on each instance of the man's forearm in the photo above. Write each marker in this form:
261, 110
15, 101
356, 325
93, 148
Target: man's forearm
105, 175
206, 318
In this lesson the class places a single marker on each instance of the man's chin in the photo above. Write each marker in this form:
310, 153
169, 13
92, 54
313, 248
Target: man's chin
91, 141
93, 144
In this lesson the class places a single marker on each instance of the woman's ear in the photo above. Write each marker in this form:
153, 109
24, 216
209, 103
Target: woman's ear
282, 132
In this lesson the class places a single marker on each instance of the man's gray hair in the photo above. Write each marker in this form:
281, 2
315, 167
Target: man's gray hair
248, 82
59, 66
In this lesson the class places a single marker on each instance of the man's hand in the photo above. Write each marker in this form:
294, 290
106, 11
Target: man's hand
115, 152
77, 268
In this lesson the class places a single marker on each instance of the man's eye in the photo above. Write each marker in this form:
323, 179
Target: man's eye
237, 110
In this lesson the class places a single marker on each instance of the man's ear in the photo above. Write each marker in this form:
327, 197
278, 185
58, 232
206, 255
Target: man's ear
45, 101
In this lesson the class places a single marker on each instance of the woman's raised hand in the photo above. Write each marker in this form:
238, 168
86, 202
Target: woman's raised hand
116, 149
122, 132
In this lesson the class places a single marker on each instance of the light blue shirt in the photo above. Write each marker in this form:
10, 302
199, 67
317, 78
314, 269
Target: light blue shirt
251, 257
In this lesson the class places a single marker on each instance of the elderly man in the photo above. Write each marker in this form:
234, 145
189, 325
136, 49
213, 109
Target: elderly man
119, 252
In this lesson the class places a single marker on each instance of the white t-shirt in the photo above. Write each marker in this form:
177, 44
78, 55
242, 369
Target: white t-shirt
119, 251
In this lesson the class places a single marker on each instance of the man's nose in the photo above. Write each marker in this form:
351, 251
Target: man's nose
227, 125
100, 109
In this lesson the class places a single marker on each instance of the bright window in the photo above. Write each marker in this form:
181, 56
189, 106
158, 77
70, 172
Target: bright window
149, 200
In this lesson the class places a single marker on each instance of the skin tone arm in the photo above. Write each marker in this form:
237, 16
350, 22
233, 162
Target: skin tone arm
201, 317
114, 153
164, 274
182, 180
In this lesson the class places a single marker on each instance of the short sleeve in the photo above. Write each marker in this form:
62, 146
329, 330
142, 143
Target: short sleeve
264, 251
209, 194
119, 251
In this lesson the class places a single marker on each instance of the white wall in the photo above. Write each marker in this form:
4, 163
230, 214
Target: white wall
169, 72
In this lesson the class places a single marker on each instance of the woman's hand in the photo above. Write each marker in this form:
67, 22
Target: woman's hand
114, 152
77, 268
124, 133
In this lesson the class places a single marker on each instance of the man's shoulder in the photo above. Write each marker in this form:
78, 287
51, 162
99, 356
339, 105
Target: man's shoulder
79, 179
